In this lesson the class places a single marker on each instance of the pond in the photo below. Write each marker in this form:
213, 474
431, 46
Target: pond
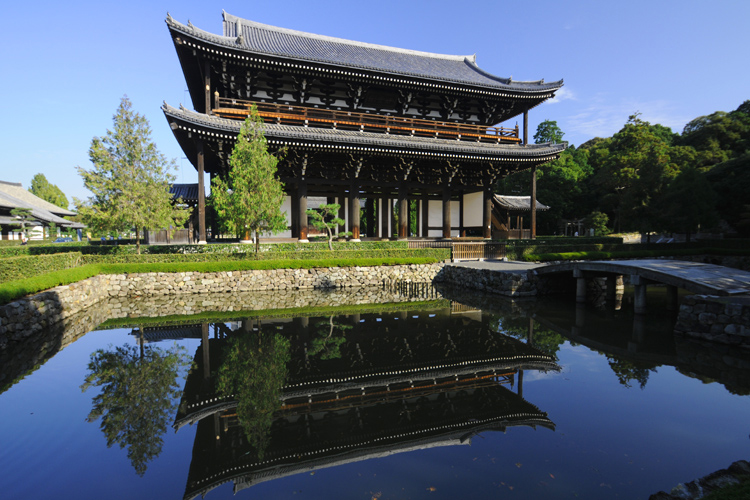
447, 394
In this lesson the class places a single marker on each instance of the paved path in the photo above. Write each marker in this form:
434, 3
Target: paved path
692, 276
498, 265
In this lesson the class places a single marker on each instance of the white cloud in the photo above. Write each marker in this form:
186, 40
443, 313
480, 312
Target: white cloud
564, 94
602, 117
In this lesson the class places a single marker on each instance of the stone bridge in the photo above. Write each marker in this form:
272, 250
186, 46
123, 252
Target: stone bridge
706, 279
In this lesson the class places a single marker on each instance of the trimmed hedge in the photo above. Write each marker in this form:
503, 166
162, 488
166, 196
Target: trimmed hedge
26, 266
634, 254
12, 290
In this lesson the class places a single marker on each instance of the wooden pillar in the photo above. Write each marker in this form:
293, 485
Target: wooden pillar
391, 218
403, 213
206, 354
207, 82
525, 128
533, 202
580, 286
383, 216
447, 211
461, 230
354, 210
302, 211
294, 195
201, 195
487, 213
425, 215
342, 207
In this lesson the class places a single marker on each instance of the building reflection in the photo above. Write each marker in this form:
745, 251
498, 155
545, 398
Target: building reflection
358, 387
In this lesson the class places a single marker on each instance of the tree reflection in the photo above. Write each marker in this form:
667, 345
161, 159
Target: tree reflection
328, 339
628, 370
254, 372
544, 339
138, 397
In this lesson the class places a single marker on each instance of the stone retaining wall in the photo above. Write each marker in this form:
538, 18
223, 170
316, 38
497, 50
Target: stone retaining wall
718, 319
24, 317
507, 283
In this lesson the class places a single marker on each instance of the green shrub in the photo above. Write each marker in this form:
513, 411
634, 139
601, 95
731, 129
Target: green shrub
27, 266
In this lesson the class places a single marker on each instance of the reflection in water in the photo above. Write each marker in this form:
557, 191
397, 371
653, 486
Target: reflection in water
253, 373
138, 391
388, 383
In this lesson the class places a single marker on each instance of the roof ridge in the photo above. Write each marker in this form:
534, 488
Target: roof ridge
230, 18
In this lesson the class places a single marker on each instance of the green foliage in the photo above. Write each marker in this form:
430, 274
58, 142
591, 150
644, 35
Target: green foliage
254, 372
688, 203
327, 339
731, 182
16, 268
130, 180
250, 199
24, 219
548, 131
41, 187
137, 397
626, 371
325, 219
598, 222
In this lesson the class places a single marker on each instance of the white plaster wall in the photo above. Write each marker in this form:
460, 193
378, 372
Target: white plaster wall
473, 209
286, 207
436, 217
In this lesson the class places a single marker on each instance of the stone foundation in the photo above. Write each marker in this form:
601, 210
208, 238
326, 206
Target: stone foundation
507, 283
724, 320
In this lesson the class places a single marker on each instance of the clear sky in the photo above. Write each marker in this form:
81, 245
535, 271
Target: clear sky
65, 65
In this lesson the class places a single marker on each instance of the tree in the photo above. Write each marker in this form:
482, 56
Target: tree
137, 398
24, 218
130, 180
249, 201
254, 372
548, 131
41, 187
325, 219
688, 203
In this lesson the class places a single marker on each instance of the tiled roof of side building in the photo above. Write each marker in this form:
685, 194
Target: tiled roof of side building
322, 136
518, 203
16, 190
269, 40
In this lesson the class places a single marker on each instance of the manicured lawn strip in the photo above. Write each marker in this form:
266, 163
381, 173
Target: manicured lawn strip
12, 290
219, 316
635, 254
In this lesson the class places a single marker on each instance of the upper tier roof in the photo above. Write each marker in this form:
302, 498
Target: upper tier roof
257, 38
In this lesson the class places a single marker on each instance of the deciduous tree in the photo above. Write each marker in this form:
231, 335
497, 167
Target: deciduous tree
42, 188
130, 180
250, 199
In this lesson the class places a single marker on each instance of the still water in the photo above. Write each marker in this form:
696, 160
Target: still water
451, 395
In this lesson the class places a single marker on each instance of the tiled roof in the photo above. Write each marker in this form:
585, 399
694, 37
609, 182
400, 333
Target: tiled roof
322, 136
16, 190
269, 40
519, 203
188, 192
11, 202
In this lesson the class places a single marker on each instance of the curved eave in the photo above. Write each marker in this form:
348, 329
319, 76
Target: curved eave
212, 127
492, 85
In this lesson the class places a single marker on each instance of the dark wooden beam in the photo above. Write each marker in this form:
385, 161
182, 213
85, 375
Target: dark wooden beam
201, 193
533, 202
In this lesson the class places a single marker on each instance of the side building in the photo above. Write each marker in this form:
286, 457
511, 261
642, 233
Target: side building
370, 127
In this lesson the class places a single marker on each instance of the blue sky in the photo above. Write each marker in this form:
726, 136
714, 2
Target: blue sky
65, 65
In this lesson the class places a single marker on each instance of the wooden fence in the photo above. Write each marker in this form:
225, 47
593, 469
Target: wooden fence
465, 250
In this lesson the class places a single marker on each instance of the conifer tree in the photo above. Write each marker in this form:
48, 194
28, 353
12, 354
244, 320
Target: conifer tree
250, 199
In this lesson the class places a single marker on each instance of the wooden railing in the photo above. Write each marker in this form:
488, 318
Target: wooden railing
285, 114
464, 250
478, 251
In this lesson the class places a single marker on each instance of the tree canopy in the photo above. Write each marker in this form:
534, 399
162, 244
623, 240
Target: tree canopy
42, 188
130, 180
250, 199
646, 177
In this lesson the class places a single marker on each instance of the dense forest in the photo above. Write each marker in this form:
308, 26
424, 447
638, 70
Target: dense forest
646, 178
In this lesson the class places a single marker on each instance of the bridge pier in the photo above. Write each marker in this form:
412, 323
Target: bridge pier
639, 294
673, 302
580, 286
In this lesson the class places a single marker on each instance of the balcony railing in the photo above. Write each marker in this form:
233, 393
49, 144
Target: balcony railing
285, 114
